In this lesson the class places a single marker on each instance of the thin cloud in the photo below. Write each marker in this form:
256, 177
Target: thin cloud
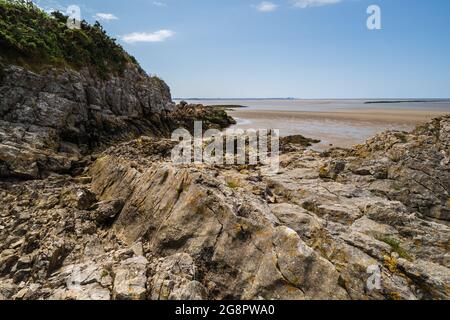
159, 4
158, 36
313, 3
266, 6
105, 16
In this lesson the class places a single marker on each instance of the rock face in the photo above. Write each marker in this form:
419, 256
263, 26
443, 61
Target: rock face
365, 223
48, 119
412, 168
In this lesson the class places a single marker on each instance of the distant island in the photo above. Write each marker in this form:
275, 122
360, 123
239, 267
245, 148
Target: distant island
406, 101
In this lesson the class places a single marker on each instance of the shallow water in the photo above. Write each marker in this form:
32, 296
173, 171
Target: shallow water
327, 105
331, 130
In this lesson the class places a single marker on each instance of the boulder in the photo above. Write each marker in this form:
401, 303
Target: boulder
78, 198
130, 279
174, 279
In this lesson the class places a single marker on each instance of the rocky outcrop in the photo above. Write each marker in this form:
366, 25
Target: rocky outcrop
212, 117
132, 225
413, 168
49, 119
295, 143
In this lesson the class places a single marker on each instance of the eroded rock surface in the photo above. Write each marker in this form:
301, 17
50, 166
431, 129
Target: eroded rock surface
51, 119
132, 225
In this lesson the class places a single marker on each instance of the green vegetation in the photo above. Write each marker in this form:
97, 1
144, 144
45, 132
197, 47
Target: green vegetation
395, 246
33, 38
104, 274
233, 184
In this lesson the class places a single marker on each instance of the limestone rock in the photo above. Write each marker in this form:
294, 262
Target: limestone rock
47, 119
174, 279
107, 210
129, 224
304, 268
79, 198
130, 279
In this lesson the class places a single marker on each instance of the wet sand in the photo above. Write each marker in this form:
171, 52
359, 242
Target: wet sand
340, 127
372, 115
336, 122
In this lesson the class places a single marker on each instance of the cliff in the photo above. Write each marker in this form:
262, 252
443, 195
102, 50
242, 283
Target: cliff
65, 93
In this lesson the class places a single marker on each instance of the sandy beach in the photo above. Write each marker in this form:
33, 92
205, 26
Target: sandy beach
337, 123
342, 128
398, 116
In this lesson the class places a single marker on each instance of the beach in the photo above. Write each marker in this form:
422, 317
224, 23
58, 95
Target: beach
337, 123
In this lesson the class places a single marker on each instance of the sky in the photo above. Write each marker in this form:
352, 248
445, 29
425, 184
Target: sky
309, 49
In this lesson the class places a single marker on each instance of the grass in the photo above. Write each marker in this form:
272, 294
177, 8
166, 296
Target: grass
104, 274
31, 37
233, 184
395, 246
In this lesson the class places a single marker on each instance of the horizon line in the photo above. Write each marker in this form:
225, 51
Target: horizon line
293, 98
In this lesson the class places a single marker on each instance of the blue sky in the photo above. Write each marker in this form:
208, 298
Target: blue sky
283, 48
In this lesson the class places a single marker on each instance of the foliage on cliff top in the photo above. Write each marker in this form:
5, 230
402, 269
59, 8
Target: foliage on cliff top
30, 36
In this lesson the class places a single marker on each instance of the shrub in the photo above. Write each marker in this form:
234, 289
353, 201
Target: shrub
30, 36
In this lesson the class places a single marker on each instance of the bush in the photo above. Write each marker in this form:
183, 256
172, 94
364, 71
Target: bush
30, 36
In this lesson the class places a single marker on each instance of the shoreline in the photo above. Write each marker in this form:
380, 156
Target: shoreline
367, 115
341, 128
